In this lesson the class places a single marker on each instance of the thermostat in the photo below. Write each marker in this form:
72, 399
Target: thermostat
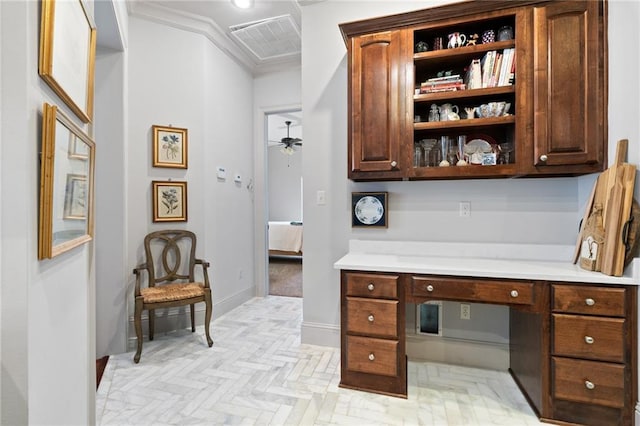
222, 173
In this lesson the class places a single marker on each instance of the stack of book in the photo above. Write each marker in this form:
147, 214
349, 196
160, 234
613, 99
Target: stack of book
450, 83
498, 68
495, 69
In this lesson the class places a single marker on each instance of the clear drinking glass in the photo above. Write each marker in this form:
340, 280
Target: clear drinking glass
445, 142
417, 155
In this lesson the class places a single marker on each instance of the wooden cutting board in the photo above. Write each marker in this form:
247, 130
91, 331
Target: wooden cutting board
613, 189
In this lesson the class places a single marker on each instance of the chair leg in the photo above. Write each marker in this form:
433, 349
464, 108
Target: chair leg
193, 317
152, 322
137, 320
207, 316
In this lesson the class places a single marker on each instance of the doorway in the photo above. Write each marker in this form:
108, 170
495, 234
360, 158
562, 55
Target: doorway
284, 202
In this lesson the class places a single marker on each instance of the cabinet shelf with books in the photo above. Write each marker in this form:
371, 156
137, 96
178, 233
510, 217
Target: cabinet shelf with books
465, 95
516, 100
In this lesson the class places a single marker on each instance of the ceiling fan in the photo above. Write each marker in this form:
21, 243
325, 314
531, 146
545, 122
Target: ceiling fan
288, 142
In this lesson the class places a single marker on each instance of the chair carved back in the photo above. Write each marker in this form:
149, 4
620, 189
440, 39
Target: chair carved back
165, 251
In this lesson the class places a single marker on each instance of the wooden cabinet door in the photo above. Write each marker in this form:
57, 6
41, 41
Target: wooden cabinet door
569, 96
376, 101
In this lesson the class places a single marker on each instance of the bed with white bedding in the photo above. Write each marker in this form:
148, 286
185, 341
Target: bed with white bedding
285, 238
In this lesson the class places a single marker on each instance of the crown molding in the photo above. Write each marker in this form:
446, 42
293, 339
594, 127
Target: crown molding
145, 9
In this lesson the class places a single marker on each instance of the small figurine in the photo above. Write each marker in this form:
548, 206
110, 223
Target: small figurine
473, 40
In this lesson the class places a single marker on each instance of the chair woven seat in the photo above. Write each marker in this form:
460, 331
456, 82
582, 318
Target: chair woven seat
170, 292
169, 269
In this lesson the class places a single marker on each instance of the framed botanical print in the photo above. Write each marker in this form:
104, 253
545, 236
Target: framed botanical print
67, 54
169, 201
170, 147
66, 185
369, 209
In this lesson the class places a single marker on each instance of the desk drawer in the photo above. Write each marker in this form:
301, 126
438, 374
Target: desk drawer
375, 356
487, 291
589, 382
372, 285
377, 317
589, 337
591, 300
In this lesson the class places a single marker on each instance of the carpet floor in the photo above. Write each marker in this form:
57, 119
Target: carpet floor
285, 277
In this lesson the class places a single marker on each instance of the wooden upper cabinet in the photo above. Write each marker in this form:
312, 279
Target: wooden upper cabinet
569, 96
376, 96
557, 91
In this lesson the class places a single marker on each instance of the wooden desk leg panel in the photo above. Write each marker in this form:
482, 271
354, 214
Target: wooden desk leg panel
529, 353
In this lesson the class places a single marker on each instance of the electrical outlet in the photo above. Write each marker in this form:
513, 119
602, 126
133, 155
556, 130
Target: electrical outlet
465, 311
465, 209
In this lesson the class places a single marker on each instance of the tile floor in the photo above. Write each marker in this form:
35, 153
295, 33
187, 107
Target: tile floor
258, 373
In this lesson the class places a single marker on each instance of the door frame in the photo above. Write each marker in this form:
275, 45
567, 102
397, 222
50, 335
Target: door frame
260, 193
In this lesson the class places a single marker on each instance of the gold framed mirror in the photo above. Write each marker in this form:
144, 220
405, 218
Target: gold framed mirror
66, 185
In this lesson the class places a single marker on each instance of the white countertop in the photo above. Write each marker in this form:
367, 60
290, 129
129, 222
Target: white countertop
515, 261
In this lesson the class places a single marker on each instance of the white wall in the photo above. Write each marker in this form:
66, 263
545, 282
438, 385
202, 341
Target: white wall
47, 335
179, 78
285, 171
517, 210
285, 185
273, 93
111, 120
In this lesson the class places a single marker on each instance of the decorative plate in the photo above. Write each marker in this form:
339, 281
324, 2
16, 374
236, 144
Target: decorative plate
369, 209
477, 146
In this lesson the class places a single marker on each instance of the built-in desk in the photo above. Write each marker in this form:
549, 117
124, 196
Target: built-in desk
573, 333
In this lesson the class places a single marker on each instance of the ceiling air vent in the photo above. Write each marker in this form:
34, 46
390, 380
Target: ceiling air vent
269, 38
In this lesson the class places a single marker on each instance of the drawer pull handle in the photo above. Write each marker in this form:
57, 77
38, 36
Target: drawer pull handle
589, 340
514, 293
429, 287
370, 318
394, 164
372, 357
589, 385
589, 301
371, 287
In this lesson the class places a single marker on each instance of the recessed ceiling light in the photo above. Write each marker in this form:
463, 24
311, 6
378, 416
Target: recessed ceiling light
243, 4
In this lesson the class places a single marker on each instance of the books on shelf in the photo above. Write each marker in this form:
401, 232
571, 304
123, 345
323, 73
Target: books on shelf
507, 68
473, 77
496, 69
442, 84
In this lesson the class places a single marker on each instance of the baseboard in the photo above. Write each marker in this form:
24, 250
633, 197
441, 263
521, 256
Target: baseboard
320, 334
637, 413
168, 320
469, 353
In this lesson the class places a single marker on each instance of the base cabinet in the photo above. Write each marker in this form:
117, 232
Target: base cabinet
593, 354
372, 333
573, 346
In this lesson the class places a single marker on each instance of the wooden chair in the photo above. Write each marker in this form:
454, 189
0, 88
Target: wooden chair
164, 251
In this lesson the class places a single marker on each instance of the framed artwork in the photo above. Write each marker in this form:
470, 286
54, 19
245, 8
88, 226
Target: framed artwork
170, 147
169, 201
66, 185
369, 209
75, 205
67, 54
